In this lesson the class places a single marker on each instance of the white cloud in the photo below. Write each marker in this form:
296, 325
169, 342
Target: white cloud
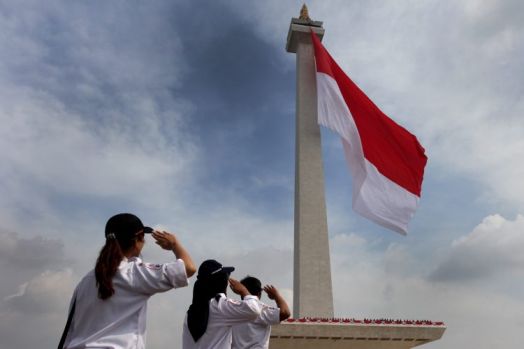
48, 145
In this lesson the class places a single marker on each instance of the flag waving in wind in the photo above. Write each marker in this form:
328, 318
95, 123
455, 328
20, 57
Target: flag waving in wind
386, 161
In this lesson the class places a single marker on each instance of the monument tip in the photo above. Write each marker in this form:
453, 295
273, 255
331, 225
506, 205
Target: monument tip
304, 13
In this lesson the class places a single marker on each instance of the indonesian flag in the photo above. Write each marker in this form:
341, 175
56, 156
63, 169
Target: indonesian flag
386, 161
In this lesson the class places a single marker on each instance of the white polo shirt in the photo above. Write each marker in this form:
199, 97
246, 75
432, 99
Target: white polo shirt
223, 314
255, 334
120, 321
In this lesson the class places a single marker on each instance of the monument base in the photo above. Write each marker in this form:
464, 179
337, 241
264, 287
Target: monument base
354, 334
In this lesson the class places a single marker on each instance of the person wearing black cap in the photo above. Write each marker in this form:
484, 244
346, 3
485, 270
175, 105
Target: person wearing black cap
212, 315
108, 307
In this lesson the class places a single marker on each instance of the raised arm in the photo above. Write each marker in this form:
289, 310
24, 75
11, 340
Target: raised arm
234, 312
169, 241
238, 288
273, 293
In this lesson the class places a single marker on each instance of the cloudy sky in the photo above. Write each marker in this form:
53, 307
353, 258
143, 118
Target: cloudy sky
183, 113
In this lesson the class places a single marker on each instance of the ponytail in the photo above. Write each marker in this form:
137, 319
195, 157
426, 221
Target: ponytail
106, 266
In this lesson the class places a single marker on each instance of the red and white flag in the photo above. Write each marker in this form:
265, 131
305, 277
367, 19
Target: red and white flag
386, 161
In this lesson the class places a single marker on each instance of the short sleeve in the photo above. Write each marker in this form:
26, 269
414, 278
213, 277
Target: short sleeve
269, 316
153, 278
176, 273
233, 312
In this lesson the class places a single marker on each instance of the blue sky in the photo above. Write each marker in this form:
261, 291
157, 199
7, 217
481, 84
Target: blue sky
183, 113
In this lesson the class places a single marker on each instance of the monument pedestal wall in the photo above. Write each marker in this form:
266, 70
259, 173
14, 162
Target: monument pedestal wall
354, 334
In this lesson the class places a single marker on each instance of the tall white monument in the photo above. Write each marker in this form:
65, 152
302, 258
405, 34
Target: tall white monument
312, 295
313, 325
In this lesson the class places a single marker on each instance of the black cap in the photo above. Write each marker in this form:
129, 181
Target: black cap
148, 230
125, 225
211, 267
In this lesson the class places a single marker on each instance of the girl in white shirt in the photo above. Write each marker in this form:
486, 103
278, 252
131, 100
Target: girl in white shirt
211, 316
108, 307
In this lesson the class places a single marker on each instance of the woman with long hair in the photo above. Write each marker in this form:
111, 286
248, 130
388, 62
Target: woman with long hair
211, 315
108, 307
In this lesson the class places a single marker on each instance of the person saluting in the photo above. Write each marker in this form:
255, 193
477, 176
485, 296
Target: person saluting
108, 307
211, 315
255, 334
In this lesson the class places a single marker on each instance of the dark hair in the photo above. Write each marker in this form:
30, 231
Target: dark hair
120, 238
203, 291
253, 285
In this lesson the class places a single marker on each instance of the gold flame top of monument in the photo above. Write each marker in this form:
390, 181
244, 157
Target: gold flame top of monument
304, 13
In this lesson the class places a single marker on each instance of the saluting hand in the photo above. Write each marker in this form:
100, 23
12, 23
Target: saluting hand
165, 240
271, 291
238, 288
273, 294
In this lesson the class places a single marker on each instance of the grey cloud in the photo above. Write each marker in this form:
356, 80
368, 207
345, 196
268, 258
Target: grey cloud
23, 258
46, 293
98, 44
365, 286
492, 249
35, 315
466, 266
36, 253
97, 98
31, 331
269, 264
86, 107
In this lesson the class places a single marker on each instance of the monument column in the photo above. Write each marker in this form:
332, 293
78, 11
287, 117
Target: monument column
312, 291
